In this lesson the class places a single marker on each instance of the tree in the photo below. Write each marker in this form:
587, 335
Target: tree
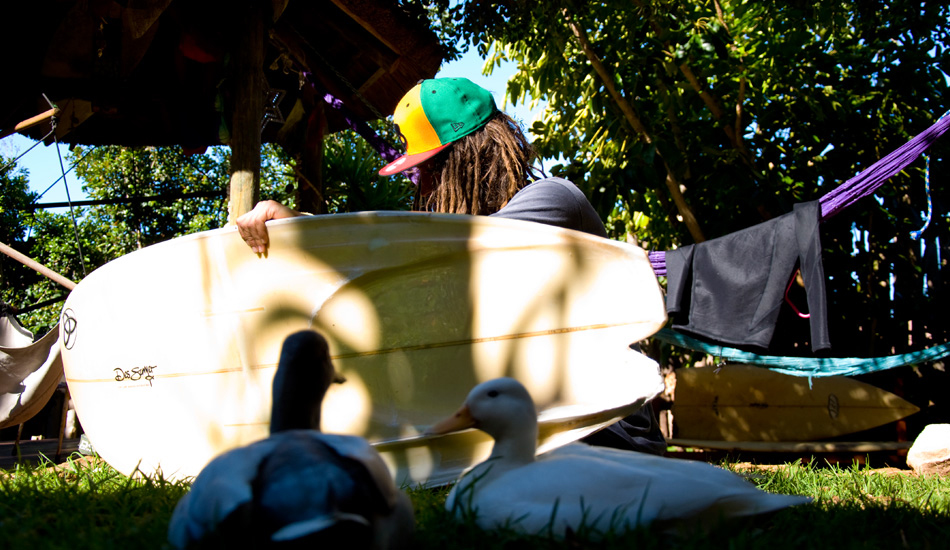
743, 109
131, 174
352, 180
152, 194
14, 198
104, 232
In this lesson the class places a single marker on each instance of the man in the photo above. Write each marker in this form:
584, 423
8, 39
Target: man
473, 159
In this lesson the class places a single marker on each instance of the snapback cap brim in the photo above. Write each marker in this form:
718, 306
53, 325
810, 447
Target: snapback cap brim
406, 162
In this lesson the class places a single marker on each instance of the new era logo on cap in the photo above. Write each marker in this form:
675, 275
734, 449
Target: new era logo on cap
457, 126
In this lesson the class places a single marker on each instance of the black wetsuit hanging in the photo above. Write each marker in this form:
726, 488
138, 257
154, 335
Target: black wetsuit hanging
730, 289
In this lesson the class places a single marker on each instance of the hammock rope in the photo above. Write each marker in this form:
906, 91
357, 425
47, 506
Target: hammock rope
930, 203
807, 366
62, 169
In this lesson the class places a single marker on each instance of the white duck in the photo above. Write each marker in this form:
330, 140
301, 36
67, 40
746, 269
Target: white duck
298, 487
583, 487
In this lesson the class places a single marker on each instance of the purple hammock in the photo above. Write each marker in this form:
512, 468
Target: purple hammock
846, 194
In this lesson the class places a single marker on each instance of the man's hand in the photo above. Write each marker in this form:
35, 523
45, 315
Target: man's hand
251, 225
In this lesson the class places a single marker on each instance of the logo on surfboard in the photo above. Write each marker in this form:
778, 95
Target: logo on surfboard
136, 374
68, 326
833, 407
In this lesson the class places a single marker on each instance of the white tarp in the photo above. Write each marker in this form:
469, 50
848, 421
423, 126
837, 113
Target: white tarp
29, 371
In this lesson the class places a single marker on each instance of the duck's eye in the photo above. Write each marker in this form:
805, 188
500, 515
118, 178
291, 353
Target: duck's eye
493, 393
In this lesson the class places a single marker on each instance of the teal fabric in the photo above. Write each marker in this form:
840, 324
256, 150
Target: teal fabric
807, 366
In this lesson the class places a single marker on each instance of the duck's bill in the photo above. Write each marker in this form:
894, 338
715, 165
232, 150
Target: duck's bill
461, 420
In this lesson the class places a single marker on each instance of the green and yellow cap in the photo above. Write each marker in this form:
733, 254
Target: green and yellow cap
436, 112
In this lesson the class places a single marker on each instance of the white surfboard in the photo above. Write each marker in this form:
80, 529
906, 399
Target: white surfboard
169, 352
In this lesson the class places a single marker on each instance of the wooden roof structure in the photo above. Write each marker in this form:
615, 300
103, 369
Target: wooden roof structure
200, 73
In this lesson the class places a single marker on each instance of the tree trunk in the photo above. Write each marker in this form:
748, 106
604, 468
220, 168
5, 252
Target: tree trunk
310, 197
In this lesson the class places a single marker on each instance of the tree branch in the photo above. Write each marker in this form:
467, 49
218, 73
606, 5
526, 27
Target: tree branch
733, 132
711, 103
671, 182
605, 76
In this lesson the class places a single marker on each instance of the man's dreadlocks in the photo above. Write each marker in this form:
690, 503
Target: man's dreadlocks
480, 173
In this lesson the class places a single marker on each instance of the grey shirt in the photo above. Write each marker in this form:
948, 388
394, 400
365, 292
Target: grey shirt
554, 201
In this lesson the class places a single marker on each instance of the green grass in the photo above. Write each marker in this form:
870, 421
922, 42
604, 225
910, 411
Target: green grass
87, 504
84, 504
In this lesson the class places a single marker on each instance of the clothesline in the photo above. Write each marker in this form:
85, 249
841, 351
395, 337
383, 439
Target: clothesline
861, 185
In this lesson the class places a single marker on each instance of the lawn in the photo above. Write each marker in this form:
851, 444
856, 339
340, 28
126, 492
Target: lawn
84, 503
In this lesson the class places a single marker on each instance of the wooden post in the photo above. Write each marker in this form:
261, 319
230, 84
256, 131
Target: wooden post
248, 85
64, 411
310, 197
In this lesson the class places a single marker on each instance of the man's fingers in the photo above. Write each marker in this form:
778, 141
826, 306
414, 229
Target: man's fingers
253, 231
252, 228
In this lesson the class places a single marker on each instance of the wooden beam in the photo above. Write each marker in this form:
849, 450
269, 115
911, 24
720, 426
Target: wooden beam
287, 39
380, 72
248, 86
375, 13
30, 122
33, 264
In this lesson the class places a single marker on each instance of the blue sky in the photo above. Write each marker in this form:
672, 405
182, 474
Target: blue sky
43, 161
43, 165
470, 66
